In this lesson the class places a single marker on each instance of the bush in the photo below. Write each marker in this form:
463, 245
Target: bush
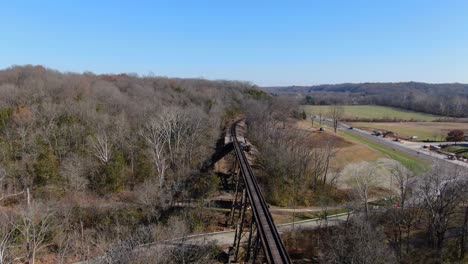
257, 94
110, 177
5, 117
45, 168
202, 185
143, 168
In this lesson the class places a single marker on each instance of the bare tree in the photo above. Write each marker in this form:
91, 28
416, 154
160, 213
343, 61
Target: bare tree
6, 239
329, 151
74, 169
156, 140
172, 137
3, 175
357, 242
405, 180
336, 113
442, 190
363, 179
49, 120
181, 132
464, 233
101, 146
34, 227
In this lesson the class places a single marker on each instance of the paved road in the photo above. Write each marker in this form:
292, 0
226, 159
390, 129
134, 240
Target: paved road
428, 156
302, 210
227, 237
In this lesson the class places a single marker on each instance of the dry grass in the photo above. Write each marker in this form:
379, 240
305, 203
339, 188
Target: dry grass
355, 153
349, 152
383, 183
352, 151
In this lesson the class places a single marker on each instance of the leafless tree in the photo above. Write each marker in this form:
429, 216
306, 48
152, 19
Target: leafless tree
172, 137
156, 140
362, 180
126, 250
104, 115
357, 242
464, 233
101, 146
153, 197
34, 226
187, 251
74, 168
336, 113
3, 196
442, 190
6, 239
405, 180
319, 169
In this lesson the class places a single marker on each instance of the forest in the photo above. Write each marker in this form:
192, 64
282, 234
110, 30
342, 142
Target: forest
103, 166
439, 99
95, 164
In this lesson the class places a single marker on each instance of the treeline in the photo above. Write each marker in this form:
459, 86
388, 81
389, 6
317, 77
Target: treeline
439, 99
91, 159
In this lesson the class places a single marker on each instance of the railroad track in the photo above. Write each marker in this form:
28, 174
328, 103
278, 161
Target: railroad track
275, 251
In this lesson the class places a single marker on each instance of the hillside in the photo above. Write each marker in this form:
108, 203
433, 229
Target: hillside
102, 159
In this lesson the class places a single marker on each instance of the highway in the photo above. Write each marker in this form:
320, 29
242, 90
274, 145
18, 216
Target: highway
397, 146
275, 251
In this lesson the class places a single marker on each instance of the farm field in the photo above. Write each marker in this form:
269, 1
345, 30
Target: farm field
373, 112
423, 130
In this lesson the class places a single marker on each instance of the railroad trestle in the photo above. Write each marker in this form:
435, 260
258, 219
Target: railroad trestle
254, 225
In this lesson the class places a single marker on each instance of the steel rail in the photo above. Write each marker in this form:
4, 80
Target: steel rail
275, 251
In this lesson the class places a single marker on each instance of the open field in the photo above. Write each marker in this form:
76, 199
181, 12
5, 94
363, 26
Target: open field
410, 162
423, 130
355, 153
373, 112
353, 148
349, 152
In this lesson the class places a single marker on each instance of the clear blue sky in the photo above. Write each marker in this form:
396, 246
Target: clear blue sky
265, 42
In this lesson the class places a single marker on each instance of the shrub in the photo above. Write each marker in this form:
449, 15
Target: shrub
203, 185
5, 117
110, 177
45, 167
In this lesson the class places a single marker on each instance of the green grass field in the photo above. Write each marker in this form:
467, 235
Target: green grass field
373, 112
412, 163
